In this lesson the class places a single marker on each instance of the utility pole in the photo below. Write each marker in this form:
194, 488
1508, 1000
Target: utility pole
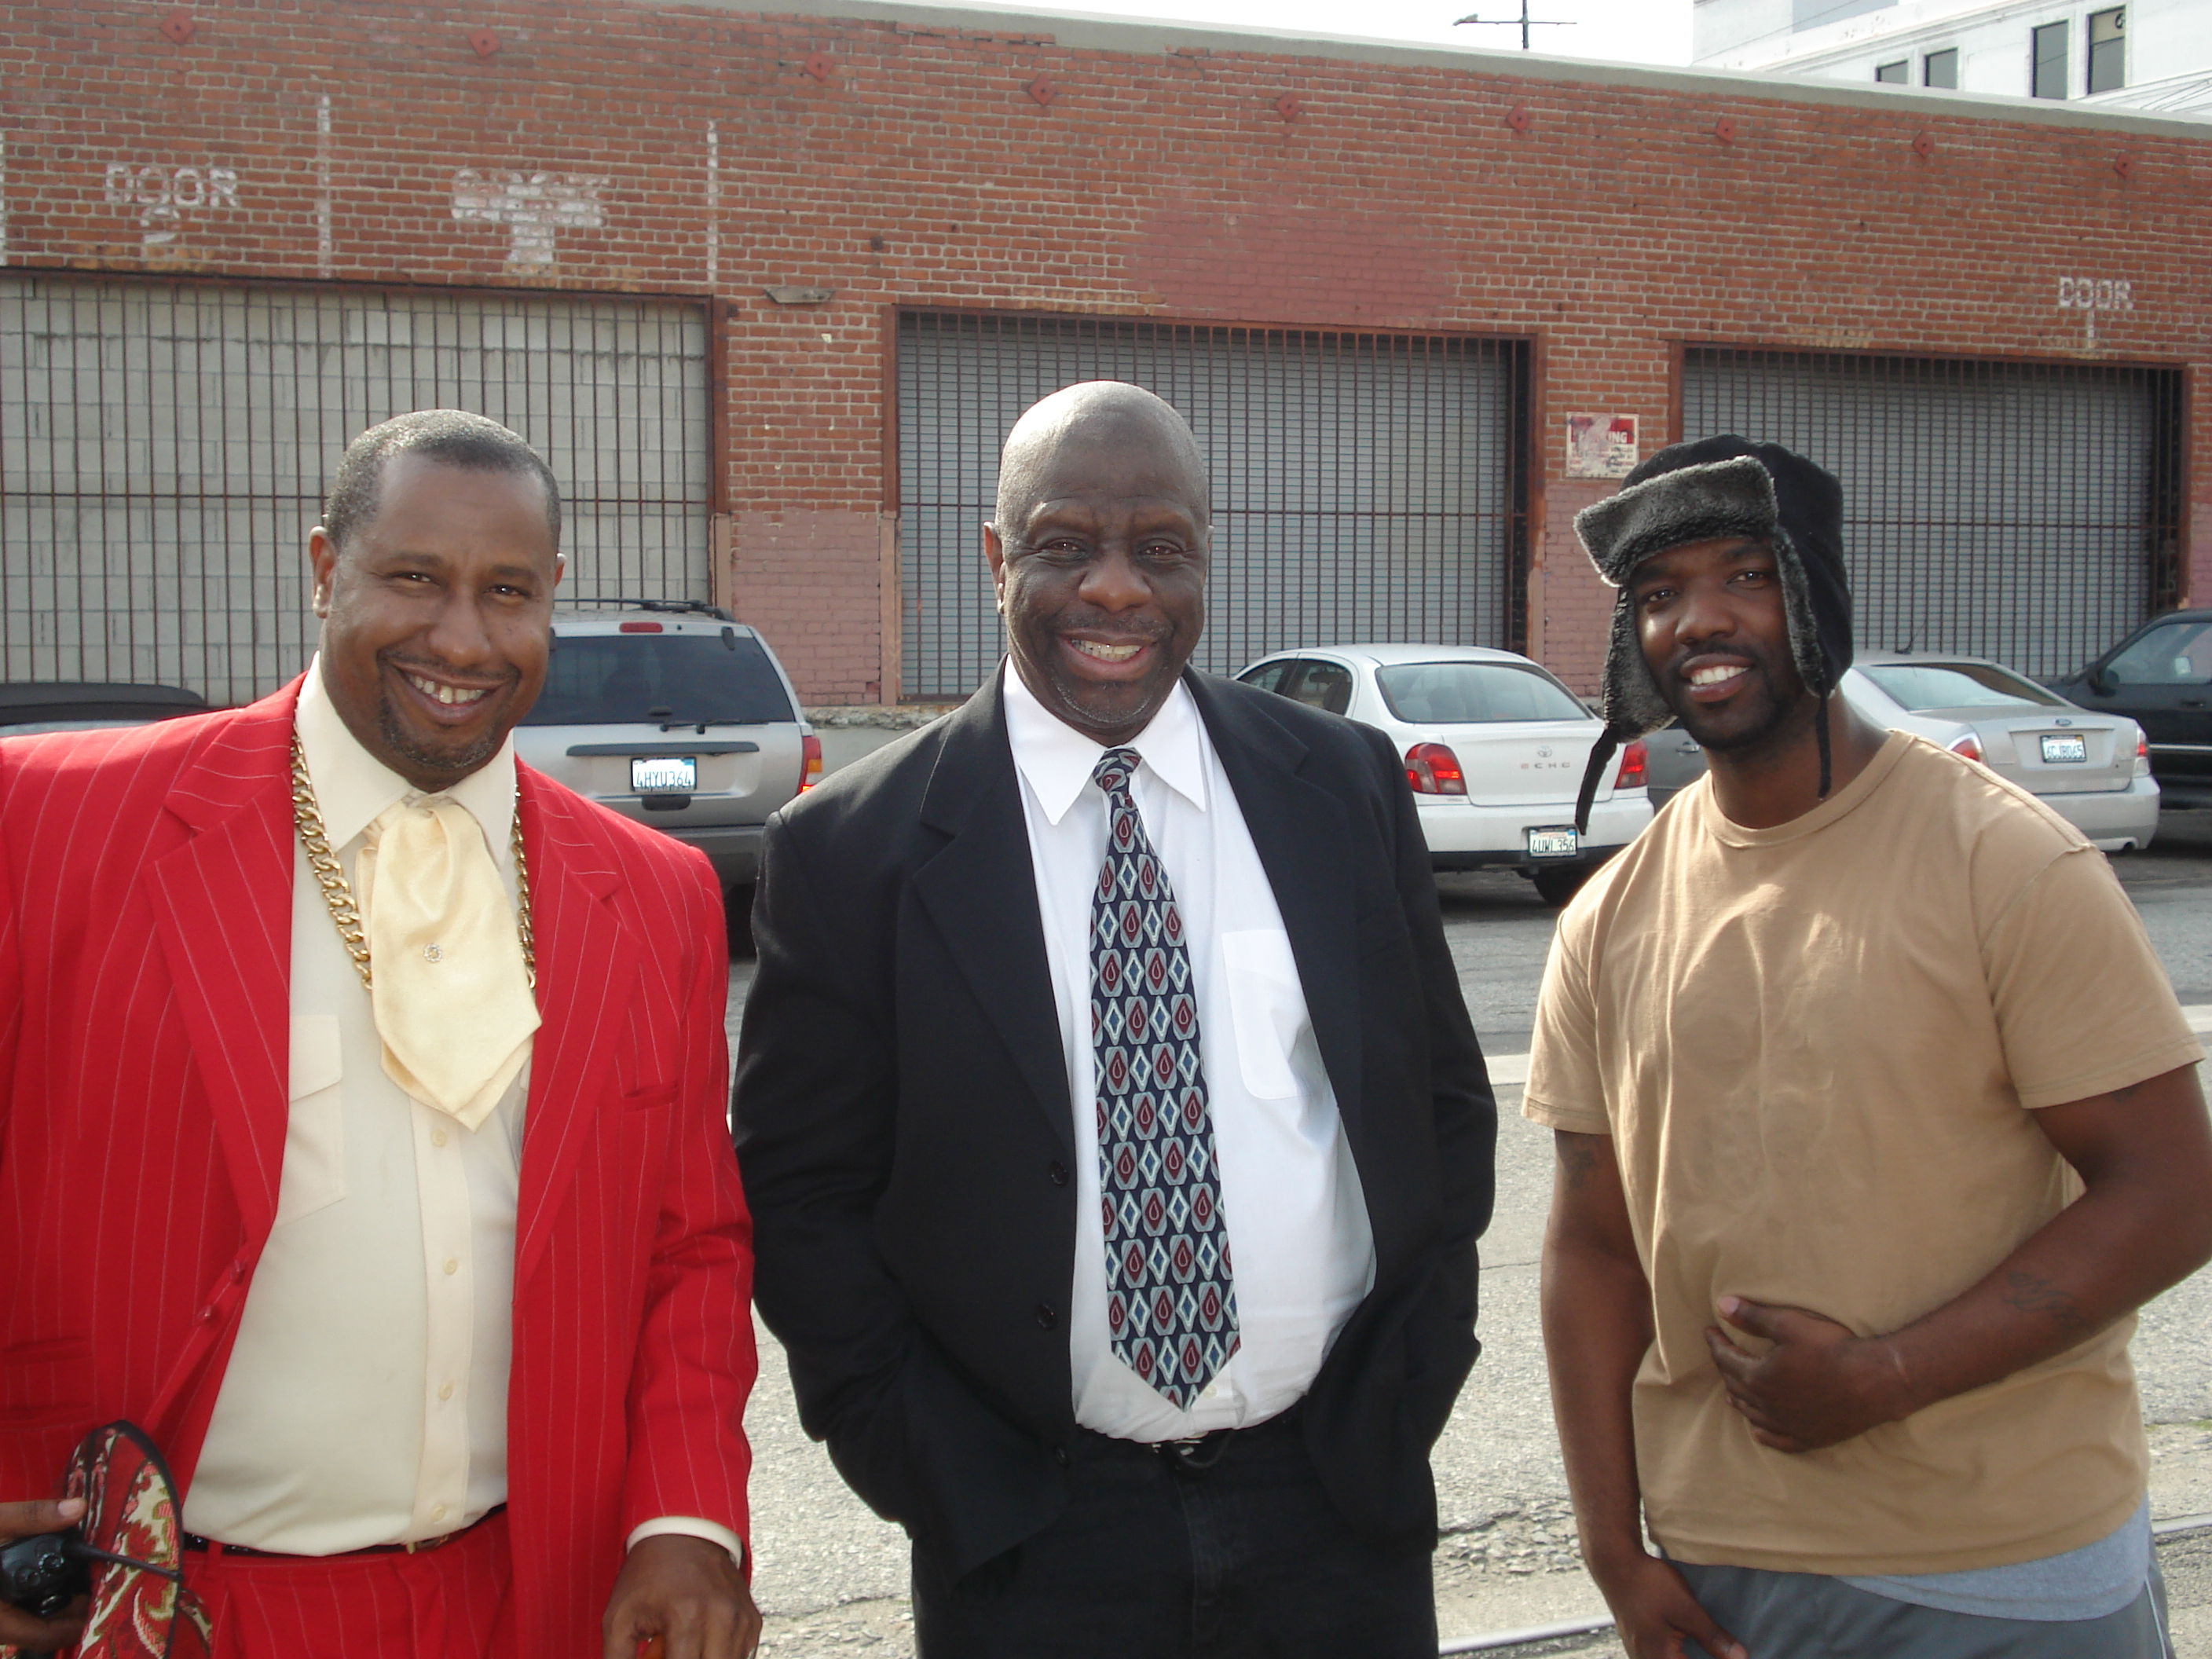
1524, 21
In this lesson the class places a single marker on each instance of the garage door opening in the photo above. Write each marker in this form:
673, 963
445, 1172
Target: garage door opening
164, 447
1366, 487
2027, 512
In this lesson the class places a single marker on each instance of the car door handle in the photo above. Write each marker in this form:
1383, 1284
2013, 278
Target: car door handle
2192, 702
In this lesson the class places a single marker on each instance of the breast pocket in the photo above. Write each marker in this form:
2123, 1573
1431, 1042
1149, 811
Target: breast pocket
1267, 1006
314, 1139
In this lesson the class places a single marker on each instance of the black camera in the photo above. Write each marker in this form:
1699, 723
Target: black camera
44, 1573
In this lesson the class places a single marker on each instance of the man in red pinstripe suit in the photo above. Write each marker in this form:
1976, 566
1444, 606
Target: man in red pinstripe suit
361, 1129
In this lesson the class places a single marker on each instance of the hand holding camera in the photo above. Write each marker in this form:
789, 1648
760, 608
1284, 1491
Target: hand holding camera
43, 1583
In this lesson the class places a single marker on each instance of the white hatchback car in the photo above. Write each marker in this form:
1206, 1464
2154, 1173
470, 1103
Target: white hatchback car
1494, 748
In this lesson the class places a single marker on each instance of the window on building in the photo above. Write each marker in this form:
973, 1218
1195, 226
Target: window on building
1940, 68
1893, 73
2108, 49
2049, 79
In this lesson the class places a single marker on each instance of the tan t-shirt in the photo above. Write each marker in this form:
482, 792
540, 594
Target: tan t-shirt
1812, 1046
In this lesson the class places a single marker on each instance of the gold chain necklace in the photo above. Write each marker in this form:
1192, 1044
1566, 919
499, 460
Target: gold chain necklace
338, 892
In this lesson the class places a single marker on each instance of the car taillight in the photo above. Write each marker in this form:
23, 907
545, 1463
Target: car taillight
1433, 769
1633, 761
809, 773
1968, 745
640, 628
2142, 747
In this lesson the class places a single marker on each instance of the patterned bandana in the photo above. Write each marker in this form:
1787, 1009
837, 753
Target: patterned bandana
1170, 1304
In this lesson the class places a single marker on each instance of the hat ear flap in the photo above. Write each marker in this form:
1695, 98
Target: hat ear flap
1805, 651
1629, 699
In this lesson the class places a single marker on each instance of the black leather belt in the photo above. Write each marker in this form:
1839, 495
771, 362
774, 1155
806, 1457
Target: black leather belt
1197, 1451
415, 1546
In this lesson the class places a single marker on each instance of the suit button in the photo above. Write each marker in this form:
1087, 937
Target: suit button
1046, 1315
238, 1272
209, 1315
1060, 1455
1056, 1173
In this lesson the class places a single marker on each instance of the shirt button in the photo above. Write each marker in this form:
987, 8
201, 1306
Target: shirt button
1047, 1314
445, 1391
437, 1511
1056, 1173
208, 1315
453, 1265
437, 1137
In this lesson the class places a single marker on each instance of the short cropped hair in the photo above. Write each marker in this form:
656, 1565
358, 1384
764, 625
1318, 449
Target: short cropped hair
452, 437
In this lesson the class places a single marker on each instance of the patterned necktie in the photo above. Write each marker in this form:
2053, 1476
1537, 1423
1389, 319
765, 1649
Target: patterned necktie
1170, 1306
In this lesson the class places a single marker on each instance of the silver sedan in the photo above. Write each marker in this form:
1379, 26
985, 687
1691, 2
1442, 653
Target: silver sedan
2093, 770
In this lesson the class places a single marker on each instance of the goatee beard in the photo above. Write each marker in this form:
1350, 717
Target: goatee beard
460, 761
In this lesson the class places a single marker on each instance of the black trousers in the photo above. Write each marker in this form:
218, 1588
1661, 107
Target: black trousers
1162, 1555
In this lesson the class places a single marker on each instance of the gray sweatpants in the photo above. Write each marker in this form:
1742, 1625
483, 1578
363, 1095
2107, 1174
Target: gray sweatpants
1802, 1615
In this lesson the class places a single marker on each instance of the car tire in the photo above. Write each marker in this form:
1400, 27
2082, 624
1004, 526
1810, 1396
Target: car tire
1557, 883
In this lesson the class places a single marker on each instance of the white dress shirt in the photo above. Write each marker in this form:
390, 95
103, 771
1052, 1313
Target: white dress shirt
1291, 1198
365, 1401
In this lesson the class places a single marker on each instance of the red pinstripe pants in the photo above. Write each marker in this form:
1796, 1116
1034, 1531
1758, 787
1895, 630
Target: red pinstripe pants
436, 1604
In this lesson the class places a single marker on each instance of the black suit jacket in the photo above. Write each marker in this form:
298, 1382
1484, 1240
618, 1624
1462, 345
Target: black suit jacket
905, 1135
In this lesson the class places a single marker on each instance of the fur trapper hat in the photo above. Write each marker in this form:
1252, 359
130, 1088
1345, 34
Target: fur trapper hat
1695, 492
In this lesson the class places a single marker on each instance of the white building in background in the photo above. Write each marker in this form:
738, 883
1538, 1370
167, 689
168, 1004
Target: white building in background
2150, 55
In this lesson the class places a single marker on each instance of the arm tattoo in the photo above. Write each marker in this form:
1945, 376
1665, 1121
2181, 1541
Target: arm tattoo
1577, 1157
2030, 1293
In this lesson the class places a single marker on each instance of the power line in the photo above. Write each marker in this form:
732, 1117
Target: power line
1524, 21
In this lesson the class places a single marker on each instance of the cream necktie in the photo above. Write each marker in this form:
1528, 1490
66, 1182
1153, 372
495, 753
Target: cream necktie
451, 995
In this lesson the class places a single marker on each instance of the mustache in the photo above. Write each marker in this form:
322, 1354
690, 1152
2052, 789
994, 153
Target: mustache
434, 668
1111, 627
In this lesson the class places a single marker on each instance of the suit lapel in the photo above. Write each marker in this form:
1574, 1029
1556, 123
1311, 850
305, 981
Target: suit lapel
1296, 829
980, 892
223, 911
587, 960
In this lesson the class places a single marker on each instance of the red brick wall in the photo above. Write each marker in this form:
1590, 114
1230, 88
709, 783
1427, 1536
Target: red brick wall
916, 170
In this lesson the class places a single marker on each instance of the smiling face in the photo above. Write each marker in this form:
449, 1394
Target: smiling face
1715, 637
1099, 556
437, 616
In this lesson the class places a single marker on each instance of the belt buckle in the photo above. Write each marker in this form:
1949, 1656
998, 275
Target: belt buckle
1199, 1451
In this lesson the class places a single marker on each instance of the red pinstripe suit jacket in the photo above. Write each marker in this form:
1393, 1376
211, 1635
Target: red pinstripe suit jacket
145, 944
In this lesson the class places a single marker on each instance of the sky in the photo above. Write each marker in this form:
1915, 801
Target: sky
1632, 31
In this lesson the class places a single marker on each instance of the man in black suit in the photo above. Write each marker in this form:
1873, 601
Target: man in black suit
1115, 1137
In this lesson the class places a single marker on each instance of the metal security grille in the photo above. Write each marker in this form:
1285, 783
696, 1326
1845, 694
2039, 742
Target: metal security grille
1365, 486
2027, 512
164, 449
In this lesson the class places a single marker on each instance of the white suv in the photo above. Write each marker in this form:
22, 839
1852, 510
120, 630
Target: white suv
676, 714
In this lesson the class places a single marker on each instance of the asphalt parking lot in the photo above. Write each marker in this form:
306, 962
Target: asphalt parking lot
832, 1578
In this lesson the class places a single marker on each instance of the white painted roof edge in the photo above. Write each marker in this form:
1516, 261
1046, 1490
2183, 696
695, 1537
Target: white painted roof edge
1089, 31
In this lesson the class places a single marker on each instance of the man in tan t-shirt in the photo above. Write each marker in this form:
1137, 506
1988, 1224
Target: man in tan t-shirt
1876, 1120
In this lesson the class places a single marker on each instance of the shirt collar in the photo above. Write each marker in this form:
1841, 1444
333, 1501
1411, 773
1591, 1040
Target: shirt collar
1058, 760
353, 788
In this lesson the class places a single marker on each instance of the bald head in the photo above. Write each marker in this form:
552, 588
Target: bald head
1098, 551
1102, 416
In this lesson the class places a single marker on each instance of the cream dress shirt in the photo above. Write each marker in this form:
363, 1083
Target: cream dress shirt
1291, 1196
365, 1401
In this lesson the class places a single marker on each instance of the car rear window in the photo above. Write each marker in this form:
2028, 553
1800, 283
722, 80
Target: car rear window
1474, 693
623, 679
1920, 685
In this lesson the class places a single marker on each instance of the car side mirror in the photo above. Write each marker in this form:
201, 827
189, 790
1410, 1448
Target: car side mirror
2102, 680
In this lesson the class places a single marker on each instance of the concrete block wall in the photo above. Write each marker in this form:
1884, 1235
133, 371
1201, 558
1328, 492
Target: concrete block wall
916, 156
